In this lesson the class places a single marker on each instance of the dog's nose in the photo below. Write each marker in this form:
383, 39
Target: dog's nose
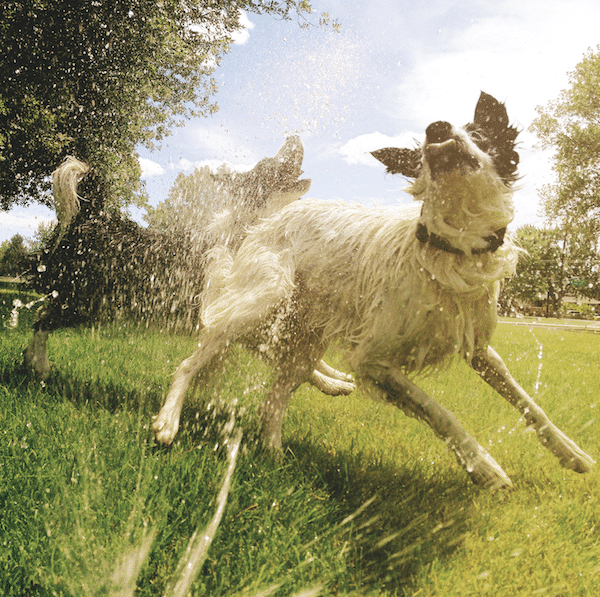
438, 132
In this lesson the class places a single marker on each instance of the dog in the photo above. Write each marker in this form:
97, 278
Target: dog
100, 266
403, 296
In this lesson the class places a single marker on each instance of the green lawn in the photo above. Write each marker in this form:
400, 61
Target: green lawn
364, 502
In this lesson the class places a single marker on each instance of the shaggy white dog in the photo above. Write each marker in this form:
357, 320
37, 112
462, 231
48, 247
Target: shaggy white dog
401, 295
100, 266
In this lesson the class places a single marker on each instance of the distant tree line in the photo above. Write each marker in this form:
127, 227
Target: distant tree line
13, 256
15, 253
563, 257
557, 264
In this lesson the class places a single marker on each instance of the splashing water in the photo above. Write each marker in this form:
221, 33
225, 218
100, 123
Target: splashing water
536, 385
13, 321
310, 86
197, 549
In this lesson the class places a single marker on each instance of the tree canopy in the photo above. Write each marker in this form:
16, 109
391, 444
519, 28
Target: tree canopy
96, 78
570, 125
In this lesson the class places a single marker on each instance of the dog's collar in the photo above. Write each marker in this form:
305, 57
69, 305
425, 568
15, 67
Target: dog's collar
494, 241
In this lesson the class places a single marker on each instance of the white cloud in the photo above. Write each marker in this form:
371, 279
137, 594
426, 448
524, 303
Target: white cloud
185, 165
242, 35
518, 52
24, 221
150, 168
357, 150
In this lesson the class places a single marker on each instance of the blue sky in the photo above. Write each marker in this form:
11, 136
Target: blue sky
395, 67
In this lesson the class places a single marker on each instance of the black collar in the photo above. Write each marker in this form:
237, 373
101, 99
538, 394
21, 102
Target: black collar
494, 242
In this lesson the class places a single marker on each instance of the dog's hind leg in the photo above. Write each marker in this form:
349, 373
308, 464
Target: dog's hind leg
404, 394
295, 365
331, 381
274, 407
492, 369
35, 356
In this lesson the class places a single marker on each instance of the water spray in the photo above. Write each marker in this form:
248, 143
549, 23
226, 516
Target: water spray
197, 549
13, 322
537, 384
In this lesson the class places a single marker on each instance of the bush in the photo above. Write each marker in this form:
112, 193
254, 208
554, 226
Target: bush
577, 311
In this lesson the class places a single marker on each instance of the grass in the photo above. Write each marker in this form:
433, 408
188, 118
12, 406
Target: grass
364, 502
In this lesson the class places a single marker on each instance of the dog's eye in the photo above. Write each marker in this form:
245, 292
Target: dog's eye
480, 140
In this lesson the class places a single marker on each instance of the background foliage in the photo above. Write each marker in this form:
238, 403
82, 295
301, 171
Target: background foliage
567, 251
94, 79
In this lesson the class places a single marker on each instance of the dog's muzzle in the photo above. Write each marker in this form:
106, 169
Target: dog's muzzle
444, 151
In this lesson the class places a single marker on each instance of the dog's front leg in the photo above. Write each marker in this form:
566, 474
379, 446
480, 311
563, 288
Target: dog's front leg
166, 423
404, 394
493, 370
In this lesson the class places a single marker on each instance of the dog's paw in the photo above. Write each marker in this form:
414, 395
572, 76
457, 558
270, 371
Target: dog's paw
569, 454
339, 388
485, 471
332, 386
164, 428
580, 463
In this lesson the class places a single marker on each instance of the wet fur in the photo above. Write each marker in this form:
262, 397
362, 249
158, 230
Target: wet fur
319, 271
100, 266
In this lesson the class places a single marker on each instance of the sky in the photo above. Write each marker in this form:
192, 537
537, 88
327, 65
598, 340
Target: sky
394, 67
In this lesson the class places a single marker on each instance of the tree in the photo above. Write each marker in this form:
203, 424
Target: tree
13, 256
570, 126
94, 79
557, 263
192, 199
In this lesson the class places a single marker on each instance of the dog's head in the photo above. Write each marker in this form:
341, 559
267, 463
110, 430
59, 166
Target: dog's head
463, 176
274, 182
244, 198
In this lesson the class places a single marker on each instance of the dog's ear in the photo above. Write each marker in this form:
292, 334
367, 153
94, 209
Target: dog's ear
495, 136
490, 114
400, 161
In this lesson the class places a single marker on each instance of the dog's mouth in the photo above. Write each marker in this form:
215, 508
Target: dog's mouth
445, 151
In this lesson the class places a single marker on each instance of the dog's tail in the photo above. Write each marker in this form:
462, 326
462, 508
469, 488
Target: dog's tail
65, 180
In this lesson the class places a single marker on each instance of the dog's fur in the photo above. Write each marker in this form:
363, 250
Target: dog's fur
100, 266
402, 295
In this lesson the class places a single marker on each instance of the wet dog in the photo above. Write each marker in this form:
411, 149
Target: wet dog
401, 295
100, 266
